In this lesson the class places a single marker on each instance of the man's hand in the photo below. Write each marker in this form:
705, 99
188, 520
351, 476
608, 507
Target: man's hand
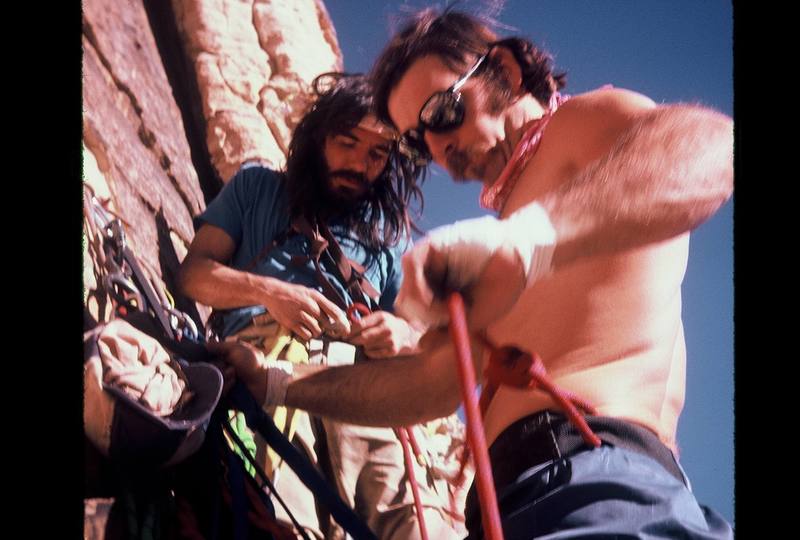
488, 260
303, 310
246, 364
489, 296
384, 335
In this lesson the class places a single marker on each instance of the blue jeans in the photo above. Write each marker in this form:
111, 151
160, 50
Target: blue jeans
607, 492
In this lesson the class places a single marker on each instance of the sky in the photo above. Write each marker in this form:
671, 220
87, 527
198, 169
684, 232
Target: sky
672, 51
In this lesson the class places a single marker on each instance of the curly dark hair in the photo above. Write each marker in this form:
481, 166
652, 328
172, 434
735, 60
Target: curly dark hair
457, 38
382, 218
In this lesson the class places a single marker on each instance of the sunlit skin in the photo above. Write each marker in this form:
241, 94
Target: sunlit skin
612, 318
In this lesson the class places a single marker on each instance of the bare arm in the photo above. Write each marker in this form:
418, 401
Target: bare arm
382, 392
665, 171
204, 277
386, 392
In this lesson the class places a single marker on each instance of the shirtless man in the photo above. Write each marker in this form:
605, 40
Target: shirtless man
596, 195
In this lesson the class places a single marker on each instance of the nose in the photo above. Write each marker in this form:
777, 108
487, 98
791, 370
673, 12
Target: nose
358, 161
440, 144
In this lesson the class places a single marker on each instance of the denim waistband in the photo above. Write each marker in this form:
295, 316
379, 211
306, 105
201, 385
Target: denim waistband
547, 436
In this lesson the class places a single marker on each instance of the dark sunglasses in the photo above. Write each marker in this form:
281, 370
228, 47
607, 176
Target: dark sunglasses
442, 112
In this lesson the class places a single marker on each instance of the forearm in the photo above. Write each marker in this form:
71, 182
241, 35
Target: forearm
382, 392
670, 172
217, 285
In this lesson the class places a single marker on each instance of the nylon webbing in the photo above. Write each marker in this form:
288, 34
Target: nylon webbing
257, 418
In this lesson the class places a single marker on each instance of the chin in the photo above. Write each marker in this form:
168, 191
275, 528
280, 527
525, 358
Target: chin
462, 176
345, 201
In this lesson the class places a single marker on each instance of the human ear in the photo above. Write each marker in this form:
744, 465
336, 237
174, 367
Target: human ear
511, 68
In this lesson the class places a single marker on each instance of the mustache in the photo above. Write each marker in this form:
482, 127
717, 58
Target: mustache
350, 175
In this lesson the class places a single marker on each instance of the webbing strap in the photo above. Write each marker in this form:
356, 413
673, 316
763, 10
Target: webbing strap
146, 289
260, 421
352, 272
323, 242
264, 478
279, 239
236, 481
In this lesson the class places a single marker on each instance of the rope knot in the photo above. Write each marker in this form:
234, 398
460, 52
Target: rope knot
514, 367
511, 366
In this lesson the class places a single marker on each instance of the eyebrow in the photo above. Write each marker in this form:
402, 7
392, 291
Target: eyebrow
385, 147
348, 134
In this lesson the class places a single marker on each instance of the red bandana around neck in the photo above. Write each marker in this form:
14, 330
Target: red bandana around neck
494, 197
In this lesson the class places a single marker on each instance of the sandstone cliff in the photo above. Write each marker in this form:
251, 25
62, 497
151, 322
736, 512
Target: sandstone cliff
177, 96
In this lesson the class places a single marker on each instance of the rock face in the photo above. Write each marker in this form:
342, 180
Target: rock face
156, 121
133, 127
253, 61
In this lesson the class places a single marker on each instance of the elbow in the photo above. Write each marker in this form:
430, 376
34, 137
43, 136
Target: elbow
446, 404
700, 163
718, 180
725, 145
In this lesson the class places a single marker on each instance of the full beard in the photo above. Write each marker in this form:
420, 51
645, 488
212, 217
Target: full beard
345, 198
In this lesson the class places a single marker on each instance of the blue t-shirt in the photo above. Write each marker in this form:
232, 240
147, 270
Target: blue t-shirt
253, 210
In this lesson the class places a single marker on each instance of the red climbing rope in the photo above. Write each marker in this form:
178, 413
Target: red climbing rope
513, 367
490, 515
407, 442
507, 365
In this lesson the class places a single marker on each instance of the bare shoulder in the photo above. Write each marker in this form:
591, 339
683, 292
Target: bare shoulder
609, 101
593, 122
584, 129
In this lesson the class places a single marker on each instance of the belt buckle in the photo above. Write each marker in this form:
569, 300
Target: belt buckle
535, 423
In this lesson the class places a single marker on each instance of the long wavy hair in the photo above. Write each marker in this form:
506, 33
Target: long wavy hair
457, 38
382, 218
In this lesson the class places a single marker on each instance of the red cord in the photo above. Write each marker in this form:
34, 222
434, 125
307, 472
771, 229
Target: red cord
513, 367
407, 441
359, 308
490, 515
507, 365
402, 435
